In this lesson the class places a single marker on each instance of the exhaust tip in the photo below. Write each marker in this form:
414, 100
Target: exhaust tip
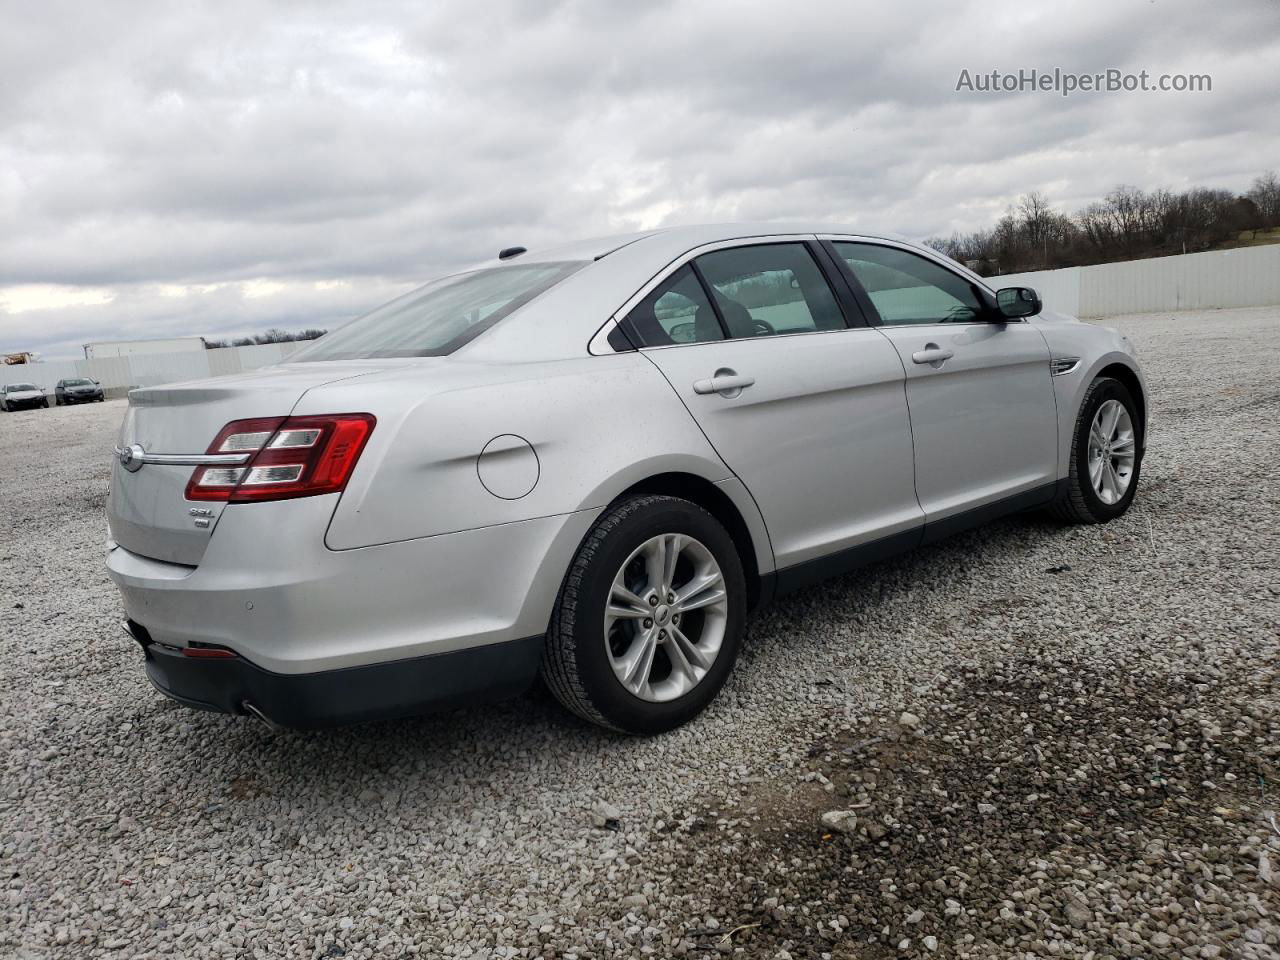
255, 712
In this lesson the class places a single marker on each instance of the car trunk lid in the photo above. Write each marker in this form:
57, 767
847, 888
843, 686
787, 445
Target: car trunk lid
147, 510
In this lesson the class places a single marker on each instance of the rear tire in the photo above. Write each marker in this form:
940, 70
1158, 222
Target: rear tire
1103, 478
620, 652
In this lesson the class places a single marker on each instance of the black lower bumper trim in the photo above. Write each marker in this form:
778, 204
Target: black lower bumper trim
332, 698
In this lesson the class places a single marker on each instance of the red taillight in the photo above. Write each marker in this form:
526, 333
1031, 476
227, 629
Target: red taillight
291, 457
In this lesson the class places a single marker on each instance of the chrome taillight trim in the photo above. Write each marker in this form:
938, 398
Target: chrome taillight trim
133, 457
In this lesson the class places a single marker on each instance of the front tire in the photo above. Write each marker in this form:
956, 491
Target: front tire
649, 619
1106, 456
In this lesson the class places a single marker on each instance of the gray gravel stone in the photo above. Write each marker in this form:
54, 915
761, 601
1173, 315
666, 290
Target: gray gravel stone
1155, 642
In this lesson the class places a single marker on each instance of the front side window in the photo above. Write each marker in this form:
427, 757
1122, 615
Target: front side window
907, 288
770, 288
437, 319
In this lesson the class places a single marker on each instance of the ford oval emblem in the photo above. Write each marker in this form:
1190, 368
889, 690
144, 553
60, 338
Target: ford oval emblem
131, 457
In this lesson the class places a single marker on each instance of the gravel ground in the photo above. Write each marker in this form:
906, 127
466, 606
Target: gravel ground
1029, 741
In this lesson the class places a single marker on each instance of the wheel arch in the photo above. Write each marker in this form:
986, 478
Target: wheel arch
716, 499
1133, 383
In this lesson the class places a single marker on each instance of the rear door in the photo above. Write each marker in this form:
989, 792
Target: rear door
983, 413
807, 410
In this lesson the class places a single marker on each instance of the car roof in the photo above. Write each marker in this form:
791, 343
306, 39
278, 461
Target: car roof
688, 236
559, 323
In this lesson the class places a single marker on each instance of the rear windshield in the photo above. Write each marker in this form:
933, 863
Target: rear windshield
437, 319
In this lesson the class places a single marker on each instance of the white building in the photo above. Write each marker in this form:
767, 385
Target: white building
132, 348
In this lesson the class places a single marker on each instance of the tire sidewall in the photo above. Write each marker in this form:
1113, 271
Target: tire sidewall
619, 706
1106, 389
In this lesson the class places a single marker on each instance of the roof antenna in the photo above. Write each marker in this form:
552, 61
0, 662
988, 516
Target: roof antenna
510, 252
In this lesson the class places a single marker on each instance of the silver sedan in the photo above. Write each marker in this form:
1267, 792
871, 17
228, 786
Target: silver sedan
589, 464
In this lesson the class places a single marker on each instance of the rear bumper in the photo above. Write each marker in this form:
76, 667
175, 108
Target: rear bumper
332, 636
351, 695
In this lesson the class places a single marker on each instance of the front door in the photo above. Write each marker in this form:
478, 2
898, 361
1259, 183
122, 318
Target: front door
983, 413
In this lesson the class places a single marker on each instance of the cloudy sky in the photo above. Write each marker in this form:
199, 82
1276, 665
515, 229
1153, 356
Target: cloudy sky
176, 168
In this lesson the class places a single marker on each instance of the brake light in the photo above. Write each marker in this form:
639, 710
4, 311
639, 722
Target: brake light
290, 457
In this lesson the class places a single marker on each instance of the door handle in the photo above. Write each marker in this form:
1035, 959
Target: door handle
933, 354
728, 383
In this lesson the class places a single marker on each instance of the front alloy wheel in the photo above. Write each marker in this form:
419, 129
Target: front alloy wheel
649, 619
1113, 452
1106, 455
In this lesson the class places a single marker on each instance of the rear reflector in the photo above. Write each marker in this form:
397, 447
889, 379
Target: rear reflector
207, 653
293, 457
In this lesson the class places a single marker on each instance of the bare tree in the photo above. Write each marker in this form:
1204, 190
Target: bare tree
1265, 194
1035, 219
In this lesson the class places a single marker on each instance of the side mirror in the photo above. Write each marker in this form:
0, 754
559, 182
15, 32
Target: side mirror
1018, 302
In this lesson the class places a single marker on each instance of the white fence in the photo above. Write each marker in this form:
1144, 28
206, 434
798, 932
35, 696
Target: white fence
1244, 277
118, 374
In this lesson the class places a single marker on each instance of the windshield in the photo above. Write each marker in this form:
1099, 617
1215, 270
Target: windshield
19, 387
77, 383
437, 319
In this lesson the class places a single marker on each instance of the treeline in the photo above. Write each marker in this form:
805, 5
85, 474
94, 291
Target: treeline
271, 336
1129, 224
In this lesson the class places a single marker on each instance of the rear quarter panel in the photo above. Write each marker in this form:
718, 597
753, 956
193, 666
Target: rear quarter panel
596, 424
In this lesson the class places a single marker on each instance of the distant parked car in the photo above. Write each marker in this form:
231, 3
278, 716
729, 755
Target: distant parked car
77, 390
15, 396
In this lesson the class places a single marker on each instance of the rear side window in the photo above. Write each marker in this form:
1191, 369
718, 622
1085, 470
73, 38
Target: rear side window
910, 289
772, 288
675, 311
437, 319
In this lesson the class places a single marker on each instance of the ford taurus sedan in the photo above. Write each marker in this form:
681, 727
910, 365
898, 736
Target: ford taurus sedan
589, 464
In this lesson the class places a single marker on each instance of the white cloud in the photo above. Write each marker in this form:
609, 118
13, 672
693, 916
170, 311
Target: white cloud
222, 167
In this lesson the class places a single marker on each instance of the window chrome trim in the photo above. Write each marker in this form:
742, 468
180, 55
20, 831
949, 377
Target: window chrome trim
946, 263
599, 344
959, 271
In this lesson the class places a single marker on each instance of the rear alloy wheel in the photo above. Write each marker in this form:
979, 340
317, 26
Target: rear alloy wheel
650, 617
1106, 456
